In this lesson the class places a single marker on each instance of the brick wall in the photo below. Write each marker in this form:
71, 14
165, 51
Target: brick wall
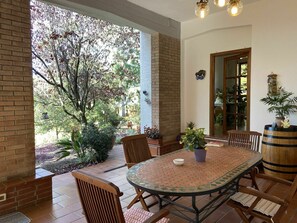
17, 153
166, 107
22, 184
26, 191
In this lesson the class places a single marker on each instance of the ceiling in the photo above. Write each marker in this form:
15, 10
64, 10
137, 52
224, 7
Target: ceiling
179, 10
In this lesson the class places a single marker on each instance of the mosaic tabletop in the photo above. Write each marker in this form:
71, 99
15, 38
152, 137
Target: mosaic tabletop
222, 165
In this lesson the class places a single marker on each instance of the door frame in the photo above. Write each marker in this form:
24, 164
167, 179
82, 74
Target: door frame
212, 84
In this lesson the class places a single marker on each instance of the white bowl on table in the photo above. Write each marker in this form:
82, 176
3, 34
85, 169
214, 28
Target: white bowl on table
179, 162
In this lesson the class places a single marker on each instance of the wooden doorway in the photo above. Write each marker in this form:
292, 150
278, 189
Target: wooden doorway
229, 91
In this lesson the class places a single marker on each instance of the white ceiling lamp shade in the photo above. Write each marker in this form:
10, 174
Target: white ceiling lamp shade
202, 9
234, 7
220, 3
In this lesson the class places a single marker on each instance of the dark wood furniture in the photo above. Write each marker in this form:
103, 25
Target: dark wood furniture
248, 140
136, 150
100, 200
249, 203
220, 172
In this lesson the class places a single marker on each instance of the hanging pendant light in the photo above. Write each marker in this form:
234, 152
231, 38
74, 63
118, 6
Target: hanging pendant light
202, 9
234, 7
220, 3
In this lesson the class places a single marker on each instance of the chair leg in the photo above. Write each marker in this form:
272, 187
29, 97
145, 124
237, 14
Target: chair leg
253, 173
137, 198
242, 215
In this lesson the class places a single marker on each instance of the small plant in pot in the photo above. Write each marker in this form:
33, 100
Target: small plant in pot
194, 140
282, 104
153, 135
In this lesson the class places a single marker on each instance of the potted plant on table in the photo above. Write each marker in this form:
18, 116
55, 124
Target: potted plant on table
282, 104
194, 140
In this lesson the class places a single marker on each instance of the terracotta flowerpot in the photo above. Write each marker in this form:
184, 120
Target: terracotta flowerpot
154, 141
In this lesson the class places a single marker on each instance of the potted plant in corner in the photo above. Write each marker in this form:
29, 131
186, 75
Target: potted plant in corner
282, 104
194, 140
153, 135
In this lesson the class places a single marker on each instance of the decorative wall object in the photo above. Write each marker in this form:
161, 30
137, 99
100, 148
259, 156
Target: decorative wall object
272, 84
200, 74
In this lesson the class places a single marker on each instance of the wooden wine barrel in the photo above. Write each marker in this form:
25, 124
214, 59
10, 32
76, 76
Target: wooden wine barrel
279, 151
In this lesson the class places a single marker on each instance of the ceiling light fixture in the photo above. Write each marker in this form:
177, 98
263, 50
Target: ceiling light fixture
234, 7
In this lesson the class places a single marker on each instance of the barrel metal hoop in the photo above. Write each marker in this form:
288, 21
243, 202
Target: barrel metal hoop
279, 145
279, 137
279, 171
280, 165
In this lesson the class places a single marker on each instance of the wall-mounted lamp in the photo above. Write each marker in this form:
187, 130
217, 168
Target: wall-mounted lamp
200, 74
145, 93
147, 99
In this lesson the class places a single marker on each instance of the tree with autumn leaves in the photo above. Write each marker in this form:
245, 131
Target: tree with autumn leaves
81, 62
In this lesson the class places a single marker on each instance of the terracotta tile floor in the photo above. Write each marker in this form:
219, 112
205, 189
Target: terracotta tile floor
65, 206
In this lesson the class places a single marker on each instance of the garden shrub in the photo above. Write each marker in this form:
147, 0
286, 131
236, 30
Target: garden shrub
100, 140
75, 145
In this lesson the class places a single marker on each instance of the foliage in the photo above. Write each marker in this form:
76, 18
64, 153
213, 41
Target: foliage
152, 132
282, 104
190, 125
101, 141
82, 60
75, 144
193, 139
219, 119
56, 116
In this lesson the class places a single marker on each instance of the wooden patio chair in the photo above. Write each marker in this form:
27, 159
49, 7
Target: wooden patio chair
136, 150
246, 139
100, 200
249, 140
251, 203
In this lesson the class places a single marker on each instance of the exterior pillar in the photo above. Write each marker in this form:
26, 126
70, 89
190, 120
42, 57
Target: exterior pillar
22, 185
166, 105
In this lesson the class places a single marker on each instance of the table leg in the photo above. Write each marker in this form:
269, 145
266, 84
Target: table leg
195, 208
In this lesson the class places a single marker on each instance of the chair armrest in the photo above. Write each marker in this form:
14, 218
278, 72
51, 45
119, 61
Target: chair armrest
262, 195
275, 179
157, 216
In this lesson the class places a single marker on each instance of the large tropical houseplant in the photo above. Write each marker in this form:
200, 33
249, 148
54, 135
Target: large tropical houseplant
282, 104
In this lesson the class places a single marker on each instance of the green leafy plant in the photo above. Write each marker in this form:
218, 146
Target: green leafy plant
75, 144
190, 125
100, 140
193, 139
152, 132
282, 104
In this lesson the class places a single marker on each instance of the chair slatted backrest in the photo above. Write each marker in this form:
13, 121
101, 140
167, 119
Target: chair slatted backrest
136, 149
99, 199
246, 139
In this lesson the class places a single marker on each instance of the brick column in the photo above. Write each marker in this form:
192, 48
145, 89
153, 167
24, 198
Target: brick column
17, 153
23, 185
166, 107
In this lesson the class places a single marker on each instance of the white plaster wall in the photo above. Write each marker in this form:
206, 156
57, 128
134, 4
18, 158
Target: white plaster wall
197, 50
272, 34
145, 80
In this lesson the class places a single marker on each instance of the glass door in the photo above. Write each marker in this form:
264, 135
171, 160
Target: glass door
235, 93
229, 91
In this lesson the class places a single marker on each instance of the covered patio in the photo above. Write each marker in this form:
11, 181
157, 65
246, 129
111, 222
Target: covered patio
65, 206
175, 51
